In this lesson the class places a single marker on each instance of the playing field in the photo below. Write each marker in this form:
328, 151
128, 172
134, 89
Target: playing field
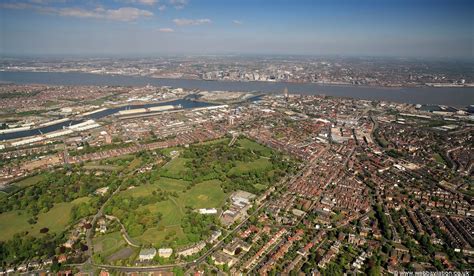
55, 220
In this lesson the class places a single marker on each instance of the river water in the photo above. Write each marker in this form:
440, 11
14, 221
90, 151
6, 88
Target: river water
457, 97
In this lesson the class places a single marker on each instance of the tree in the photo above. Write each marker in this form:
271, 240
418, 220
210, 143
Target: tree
178, 271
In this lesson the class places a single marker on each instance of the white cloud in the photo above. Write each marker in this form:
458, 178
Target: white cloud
162, 8
147, 2
179, 4
166, 30
142, 2
120, 14
44, 2
127, 14
237, 22
191, 22
16, 6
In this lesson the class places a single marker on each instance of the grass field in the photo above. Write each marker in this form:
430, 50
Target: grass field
32, 180
135, 163
251, 145
172, 185
55, 220
166, 184
108, 244
260, 164
207, 194
438, 158
167, 151
102, 167
217, 141
124, 163
260, 187
175, 168
172, 233
25, 182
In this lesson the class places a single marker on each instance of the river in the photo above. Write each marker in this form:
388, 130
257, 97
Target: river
457, 97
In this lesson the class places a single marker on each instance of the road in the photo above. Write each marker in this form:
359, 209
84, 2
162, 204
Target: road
124, 232
90, 245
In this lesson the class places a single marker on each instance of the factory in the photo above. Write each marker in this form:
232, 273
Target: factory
137, 111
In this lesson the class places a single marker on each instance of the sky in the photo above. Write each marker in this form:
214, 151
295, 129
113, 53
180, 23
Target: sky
402, 28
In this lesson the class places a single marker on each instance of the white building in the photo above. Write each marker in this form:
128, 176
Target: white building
211, 211
147, 254
165, 252
191, 250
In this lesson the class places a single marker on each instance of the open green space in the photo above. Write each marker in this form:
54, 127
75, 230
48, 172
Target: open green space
167, 151
173, 234
39, 213
23, 183
164, 183
438, 158
56, 219
158, 209
260, 187
102, 167
261, 164
175, 168
253, 146
28, 181
216, 141
207, 194
108, 244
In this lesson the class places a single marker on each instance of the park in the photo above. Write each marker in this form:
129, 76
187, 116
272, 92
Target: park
157, 207
156, 213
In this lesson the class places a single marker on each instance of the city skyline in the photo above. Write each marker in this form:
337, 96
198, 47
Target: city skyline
432, 29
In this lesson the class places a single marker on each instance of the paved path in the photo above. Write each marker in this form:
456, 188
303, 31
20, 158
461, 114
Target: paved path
124, 232
234, 138
90, 245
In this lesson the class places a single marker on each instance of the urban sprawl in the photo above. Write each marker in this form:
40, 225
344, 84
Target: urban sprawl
389, 72
229, 183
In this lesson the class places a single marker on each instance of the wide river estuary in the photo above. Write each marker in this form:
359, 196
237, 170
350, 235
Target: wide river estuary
457, 97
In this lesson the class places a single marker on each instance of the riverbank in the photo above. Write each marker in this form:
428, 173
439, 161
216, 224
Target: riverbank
456, 97
335, 83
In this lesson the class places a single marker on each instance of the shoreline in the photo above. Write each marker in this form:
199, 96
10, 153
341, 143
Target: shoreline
334, 84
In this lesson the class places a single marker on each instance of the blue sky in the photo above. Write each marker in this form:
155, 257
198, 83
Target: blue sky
411, 28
